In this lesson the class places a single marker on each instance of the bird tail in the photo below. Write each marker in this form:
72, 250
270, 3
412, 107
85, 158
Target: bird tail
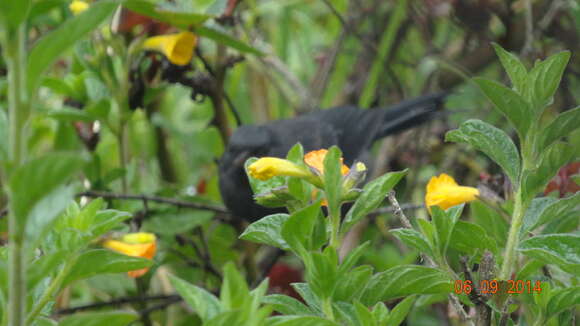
410, 113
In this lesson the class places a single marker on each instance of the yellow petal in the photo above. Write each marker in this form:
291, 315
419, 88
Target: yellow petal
315, 159
444, 192
178, 48
143, 250
139, 237
269, 167
77, 6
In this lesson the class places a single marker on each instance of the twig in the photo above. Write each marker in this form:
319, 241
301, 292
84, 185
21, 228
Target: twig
160, 306
115, 303
206, 262
266, 264
398, 211
164, 200
391, 209
528, 44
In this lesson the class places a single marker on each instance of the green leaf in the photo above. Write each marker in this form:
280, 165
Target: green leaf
492, 141
404, 280
106, 220
13, 13
401, 310
352, 258
306, 293
167, 14
352, 283
372, 196
297, 230
551, 209
444, 222
509, 103
287, 305
101, 261
225, 39
333, 180
544, 79
263, 186
471, 238
363, 315
267, 230
299, 321
322, 275
564, 124
513, 66
532, 215
52, 45
44, 266
562, 300
171, 223
204, 303
491, 220
38, 205
551, 160
560, 249
109, 318
414, 239
234, 292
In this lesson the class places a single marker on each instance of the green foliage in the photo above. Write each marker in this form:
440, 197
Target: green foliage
560, 249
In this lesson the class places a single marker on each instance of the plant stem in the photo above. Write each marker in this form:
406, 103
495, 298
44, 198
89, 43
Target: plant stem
19, 111
51, 291
334, 233
513, 238
327, 308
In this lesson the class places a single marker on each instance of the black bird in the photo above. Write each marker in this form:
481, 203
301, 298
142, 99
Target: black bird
352, 129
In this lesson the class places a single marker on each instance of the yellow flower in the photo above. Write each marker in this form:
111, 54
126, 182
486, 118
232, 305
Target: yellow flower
77, 6
139, 244
178, 48
444, 192
269, 167
315, 159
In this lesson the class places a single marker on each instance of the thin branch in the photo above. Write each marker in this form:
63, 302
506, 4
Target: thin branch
398, 211
528, 45
164, 200
206, 262
115, 303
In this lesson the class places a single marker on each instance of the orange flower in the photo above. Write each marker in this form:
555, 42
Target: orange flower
139, 244
444, 192
315, 159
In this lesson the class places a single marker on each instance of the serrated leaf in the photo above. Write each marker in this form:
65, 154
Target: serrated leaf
560, 249
322, 275
109, 318
513, 66
204, 303
287, 305
404, 280
492, 141
509, 103
101, 261
564, 124
267, 230
372, 196
562, 300
52, 45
